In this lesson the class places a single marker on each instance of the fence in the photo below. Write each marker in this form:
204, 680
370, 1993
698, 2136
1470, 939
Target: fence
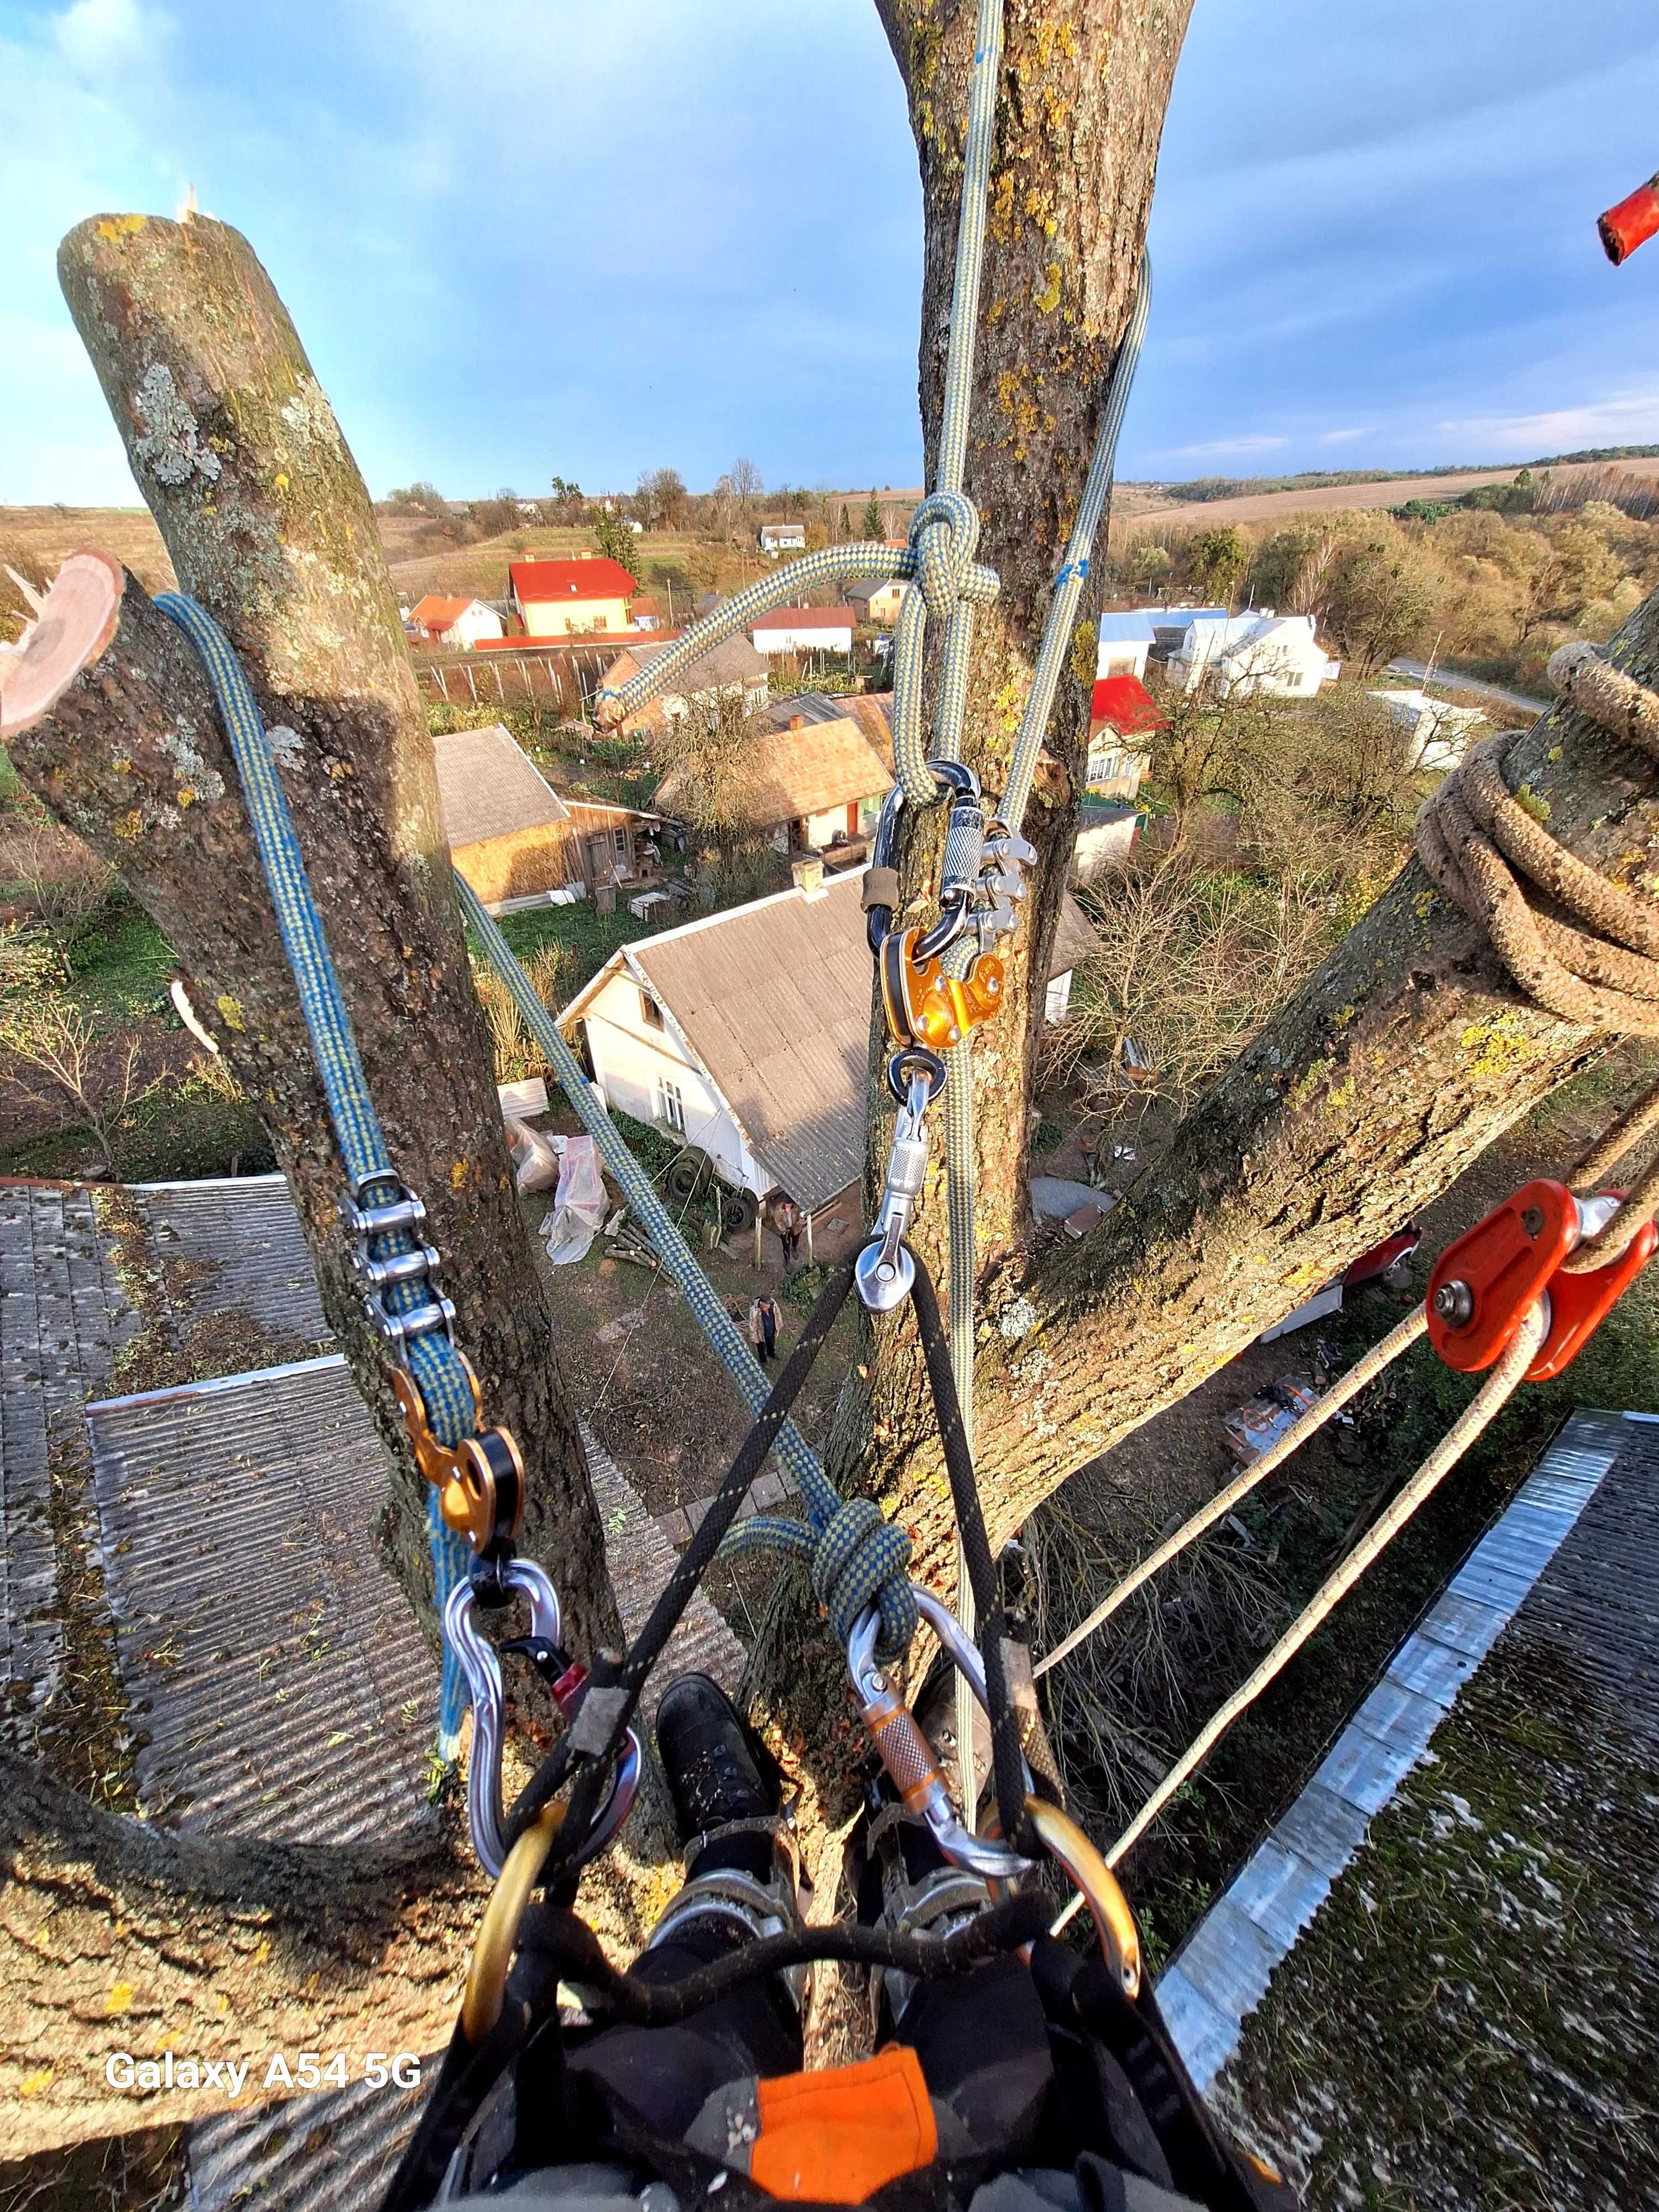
563, 676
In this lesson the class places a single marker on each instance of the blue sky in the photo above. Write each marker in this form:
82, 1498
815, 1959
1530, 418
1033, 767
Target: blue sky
533, 236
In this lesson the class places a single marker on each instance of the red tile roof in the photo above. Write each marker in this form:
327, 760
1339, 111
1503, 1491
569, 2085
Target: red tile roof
539, 583
804, 618
1126, 705
434, 614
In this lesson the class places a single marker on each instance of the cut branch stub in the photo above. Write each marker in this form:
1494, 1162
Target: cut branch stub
74, 623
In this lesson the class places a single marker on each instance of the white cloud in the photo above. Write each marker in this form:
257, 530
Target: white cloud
1218, 448
1625, 418
1342, 437
98, 37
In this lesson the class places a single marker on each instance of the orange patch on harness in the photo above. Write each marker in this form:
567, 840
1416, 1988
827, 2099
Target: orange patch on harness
837, 2136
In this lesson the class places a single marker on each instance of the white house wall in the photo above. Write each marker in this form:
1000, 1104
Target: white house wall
803, 641
629, 1058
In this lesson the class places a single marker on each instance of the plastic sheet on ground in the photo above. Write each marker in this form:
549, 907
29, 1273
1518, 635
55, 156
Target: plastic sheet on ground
580, 1205
536, 1156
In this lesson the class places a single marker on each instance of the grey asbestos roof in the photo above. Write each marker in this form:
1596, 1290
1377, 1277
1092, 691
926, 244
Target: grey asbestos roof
775, 999
488, 787
733, 660
1479, 1841
242, 1237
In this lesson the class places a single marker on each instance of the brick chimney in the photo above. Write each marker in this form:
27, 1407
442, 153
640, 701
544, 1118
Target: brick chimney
798, 721
806, 870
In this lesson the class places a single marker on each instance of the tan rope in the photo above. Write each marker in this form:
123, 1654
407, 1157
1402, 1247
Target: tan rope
1365, 1370
1600, 966
1482, 1408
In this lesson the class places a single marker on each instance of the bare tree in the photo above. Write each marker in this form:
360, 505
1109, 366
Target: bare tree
746, 485
94, 1074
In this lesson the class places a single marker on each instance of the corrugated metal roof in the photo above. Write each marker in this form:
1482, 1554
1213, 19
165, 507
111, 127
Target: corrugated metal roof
248, 1253
488, 787
62, 1317
286, 1690
1601, 1595
1074, 937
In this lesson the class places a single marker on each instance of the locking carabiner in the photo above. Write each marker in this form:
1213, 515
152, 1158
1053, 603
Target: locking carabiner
484, 1681
885, 1274
904, 1751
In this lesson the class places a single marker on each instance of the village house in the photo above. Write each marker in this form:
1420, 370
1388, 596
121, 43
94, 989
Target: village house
1253, 654
645, 613
871, 710
731, 669
516, 841
567, 598
777, 537
1121, 710
1440, 733
877, 602
748, 1033
460, 622
804, 630
807, 786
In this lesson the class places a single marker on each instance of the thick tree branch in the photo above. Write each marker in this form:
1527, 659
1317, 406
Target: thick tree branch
269, 525
116, 1936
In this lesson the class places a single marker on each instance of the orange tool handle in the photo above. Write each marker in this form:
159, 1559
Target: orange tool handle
1631, 223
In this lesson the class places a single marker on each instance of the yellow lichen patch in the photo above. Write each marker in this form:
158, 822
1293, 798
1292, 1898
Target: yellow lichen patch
121, 226
280, 480
230, 1010
1304, 1088
36, 2084
458, 1175
122, 765
1085, 651
1054, 38
1495, 1048
1538, 808
120, 1998
186, 794
1049, 298
130, 826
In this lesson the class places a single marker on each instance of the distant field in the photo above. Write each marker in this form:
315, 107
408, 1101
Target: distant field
38, 538
1336, 499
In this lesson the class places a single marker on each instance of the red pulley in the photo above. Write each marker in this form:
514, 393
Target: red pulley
1484, 1284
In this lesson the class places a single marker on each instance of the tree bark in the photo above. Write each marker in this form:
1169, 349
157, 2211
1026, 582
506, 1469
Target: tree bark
268, 524
116, 1936
1385, 1078
1075, 157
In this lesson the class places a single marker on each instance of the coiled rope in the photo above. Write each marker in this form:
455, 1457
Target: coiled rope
1599, 969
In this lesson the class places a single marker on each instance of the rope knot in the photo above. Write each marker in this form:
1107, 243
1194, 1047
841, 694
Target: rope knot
859, 1560
943, 536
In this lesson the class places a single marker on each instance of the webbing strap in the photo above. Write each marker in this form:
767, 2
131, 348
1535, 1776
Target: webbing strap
433, 1362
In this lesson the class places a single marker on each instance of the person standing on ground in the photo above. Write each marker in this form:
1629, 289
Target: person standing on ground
785, 1219
763, 1328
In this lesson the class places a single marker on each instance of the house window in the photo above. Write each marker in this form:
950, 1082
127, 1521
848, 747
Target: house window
619, 843
650, 1011
601, 622
670, 1105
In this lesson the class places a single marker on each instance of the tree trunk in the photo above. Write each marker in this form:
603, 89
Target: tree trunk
116, 1936
269, 525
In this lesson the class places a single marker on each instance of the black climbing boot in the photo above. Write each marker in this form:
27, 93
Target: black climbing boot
741, 1866
714, 1775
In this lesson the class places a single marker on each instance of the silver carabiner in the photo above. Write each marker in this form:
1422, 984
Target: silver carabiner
906, 1754
483, 1671
885, 1274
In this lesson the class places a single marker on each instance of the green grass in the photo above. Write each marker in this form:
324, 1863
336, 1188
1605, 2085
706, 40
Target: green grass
588, 936
11, 785
120, 965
